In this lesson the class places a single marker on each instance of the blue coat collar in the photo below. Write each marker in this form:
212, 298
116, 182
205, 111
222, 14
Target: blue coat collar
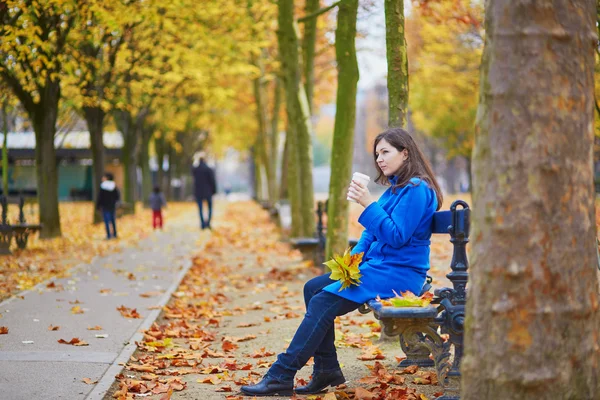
393, 180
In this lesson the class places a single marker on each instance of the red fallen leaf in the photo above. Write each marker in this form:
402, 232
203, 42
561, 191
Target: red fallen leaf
363, 394
94, 328
301, 382
411, 369
128, 312
3, 330
224, 389
105, 291
262, 353
75, 302
213, 321
228, 346
75, 342
438, 394
131, 276
53, 328
89, 381
177, 385
148, 377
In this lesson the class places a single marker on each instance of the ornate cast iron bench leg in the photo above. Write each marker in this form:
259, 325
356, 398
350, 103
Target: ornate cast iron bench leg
21, 238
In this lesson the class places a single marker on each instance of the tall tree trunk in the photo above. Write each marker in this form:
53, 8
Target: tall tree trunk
343, 131
170, 151
283, 182
532, 324
94, 117
293, 182
130, 155
262, 142
44, 124
298, 116
5, 149
159, 145
397, 61
145, 164
309, 42
274, 141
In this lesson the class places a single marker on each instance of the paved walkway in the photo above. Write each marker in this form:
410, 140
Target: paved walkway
34, 365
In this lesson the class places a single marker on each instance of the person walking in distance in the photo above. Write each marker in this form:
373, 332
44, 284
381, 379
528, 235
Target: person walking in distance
157, 202
204, 187
106, 203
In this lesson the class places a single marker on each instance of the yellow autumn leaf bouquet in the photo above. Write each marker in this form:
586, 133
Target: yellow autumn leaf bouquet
345, 268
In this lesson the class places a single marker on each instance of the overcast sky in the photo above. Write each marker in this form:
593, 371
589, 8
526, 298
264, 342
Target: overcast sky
371, 48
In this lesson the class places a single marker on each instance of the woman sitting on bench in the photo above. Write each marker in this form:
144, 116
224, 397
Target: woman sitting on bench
395, 243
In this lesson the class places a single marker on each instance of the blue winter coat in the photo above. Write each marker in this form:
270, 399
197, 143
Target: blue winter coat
396, 243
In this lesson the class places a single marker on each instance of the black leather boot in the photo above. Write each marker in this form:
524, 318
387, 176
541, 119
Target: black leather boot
269, 387
321, 381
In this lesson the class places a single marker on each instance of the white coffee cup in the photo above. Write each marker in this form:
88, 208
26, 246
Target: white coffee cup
362, 178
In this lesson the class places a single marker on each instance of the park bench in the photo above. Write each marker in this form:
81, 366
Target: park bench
19, 231
313, 248
420, 329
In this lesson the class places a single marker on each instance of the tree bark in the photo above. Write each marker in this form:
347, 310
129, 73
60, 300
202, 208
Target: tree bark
283, 183
274, 141
159, 145
145, 164
94, 117
532, 325
309, 42
397, 61
130, 152
261, 156
298, 118
343, 131
5, 149
293, 183
44, 124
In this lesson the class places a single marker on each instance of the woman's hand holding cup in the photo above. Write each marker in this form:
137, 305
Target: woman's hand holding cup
358, 191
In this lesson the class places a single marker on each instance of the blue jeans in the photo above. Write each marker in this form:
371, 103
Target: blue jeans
316, 334
205, 223
109, 219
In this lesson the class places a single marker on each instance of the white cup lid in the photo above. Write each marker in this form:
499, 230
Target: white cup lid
363, 176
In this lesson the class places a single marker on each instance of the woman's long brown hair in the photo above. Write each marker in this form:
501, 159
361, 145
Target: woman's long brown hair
415, 166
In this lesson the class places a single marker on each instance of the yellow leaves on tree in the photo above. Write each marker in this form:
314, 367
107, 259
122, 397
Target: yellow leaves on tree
345, 268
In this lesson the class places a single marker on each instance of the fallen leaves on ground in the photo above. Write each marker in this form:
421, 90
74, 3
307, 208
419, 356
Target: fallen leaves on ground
196, 335
128, 312
81, 241
74, 342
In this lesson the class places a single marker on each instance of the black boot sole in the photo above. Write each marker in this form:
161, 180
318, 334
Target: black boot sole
278, 393
331, 384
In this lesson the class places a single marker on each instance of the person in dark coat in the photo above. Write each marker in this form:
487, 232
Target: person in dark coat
205, 187
106, 203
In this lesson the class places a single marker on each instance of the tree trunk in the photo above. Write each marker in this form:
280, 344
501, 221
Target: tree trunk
532, 324
293, 183
283, 182
5, 149
145, 165
130, 155
274, 140
298, 117
94, 117
397, 61
308, 50
159, 145
343, 131
170, 151
261, 156
44, 124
